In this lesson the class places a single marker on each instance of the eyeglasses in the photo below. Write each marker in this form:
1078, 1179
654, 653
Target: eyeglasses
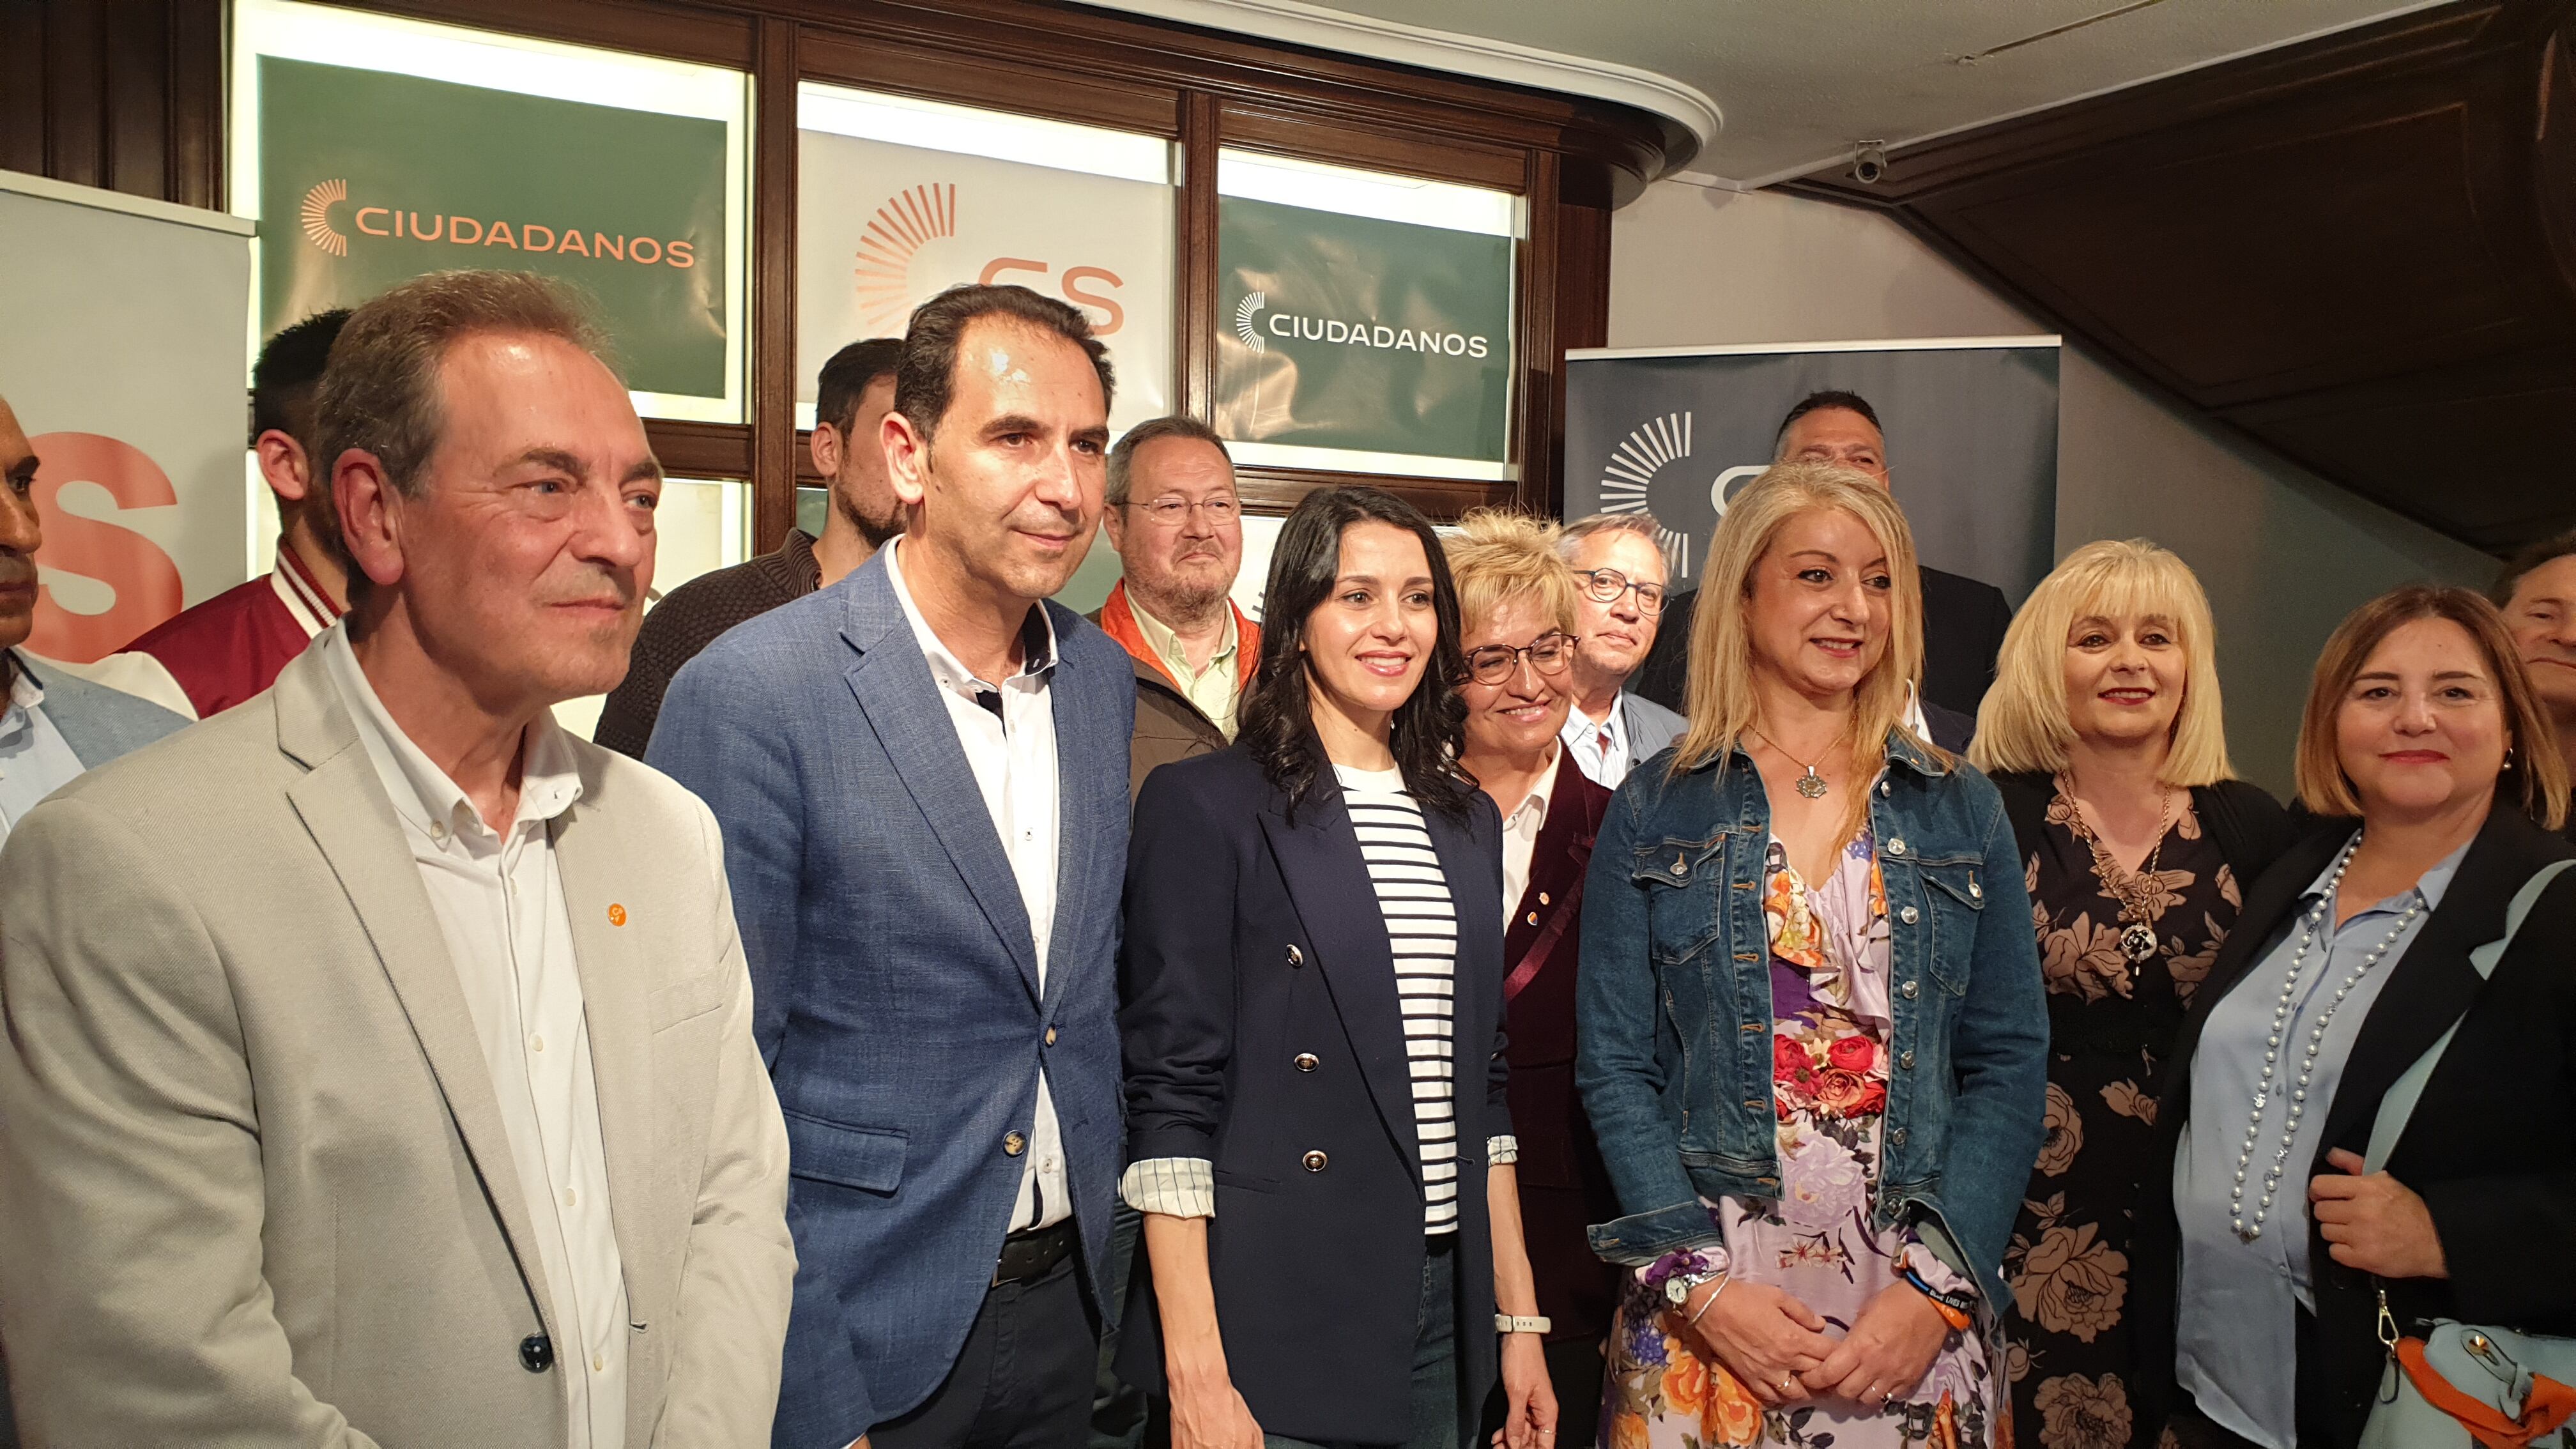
1606, 585
1170, 512
1495, 663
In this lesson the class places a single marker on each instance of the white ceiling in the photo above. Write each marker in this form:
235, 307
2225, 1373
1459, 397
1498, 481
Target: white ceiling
1782, 88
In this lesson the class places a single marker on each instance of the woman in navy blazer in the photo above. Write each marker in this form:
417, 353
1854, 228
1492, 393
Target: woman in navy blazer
1313, 988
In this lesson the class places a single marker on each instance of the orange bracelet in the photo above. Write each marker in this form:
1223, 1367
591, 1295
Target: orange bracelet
1958, 1318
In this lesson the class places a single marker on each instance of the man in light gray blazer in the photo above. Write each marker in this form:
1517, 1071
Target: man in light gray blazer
378, 1065
1619, 567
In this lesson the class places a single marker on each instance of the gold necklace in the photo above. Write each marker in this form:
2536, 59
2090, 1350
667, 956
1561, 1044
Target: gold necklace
2131, 889
1810, 784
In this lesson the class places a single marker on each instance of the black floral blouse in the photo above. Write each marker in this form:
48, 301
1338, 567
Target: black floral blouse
2069, 1357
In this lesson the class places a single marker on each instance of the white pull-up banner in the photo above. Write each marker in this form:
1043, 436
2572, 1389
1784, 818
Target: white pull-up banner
127, 366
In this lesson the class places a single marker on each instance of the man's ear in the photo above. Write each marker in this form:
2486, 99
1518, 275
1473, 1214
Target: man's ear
370, 516
907, 459
283, 466
826, 447
1113, 519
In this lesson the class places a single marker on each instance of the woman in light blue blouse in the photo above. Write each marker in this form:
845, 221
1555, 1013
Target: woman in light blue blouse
2260, 1281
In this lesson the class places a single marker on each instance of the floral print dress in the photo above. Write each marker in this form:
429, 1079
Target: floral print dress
1829, 966
2069, 1354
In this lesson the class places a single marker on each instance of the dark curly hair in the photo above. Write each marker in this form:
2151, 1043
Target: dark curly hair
1278, 716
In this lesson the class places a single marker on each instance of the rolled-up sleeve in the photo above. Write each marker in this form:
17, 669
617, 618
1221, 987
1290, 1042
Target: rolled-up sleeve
1176, 1187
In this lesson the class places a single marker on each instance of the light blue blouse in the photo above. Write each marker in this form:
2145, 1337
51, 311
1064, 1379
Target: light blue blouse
2236, 1342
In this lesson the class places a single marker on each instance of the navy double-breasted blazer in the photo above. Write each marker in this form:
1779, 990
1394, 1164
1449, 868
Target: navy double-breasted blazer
1263, 1035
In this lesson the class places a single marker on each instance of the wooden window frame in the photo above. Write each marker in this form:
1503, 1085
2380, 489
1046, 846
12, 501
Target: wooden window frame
1570, 160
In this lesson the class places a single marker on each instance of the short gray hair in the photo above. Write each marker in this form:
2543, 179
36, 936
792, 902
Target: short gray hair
380, 393
1122, 458
1569, 544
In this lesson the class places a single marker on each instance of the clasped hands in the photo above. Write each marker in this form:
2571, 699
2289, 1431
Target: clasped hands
1779, 1349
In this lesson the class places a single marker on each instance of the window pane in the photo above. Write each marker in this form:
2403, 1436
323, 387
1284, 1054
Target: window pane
1365, 320
377, 149
899, 199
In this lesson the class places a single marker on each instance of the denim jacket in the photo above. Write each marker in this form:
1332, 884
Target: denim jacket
1674, 1020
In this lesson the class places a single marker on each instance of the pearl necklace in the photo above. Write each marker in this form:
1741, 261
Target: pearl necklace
2307, 1066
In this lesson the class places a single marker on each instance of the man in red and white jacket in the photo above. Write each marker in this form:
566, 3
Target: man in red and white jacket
232, 646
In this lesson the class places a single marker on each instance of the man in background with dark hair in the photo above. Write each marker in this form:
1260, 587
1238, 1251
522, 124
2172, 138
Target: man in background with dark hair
231, 647
1963, 619
921, 775
851, 399
2537, 593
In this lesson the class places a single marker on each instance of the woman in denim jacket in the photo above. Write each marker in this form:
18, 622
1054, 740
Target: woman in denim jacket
1811, 1034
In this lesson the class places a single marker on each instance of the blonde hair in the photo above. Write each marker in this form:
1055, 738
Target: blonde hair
2533, 760
1723, 705
1500, 554
2023, 724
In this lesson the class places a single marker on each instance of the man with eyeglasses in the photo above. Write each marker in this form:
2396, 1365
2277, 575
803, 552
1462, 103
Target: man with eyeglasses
1177, 523
1619, 569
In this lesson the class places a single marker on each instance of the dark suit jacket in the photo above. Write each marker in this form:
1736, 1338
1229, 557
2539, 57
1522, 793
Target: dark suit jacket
2491, 1146
895, 974
1253, 941
1963, 628
1564, 1187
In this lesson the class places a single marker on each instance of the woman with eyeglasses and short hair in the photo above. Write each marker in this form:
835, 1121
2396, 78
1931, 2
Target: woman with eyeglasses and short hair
1318, 1136
1517, 602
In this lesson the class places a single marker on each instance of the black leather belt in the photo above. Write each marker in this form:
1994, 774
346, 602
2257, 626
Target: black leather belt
1033, 1252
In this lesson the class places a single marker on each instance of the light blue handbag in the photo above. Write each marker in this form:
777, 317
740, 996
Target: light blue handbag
2462, 1385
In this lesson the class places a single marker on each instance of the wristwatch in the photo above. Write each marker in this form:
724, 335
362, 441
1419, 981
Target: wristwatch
1506, 1323
1679, 1287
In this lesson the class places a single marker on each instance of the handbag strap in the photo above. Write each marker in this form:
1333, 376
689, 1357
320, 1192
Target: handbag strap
2399, 1103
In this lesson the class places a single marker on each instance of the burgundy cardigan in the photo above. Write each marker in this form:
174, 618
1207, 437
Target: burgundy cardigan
1563, 1185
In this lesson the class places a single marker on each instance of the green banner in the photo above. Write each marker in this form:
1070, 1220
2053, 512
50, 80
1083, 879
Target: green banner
368, 179
1349, 332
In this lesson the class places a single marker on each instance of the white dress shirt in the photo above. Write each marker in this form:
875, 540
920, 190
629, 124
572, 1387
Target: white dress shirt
1008, 731
1600, 749
1520, 836
499, 901
35, 759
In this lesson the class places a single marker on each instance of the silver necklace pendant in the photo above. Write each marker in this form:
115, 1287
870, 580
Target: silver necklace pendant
1812, 785
2138, 943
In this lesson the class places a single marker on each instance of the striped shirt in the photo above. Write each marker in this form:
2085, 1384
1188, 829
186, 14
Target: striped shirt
1422, 934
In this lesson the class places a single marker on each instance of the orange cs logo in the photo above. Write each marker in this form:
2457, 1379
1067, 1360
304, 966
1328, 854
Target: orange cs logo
912, 220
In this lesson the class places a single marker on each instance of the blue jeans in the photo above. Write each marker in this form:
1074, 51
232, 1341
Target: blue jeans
1435, 1358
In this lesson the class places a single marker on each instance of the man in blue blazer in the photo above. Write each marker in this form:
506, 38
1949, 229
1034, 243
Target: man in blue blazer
922, 777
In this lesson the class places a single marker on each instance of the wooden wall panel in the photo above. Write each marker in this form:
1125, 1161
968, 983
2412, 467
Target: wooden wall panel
116, 94
2361, 250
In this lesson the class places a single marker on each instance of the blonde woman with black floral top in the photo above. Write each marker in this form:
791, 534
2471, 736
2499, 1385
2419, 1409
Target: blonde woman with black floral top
2103, 733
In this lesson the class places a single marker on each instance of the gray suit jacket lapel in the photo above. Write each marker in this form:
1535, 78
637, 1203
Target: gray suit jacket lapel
343, 806
892, 684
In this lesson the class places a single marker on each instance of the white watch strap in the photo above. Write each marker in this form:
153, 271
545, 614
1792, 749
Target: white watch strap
1506, 1323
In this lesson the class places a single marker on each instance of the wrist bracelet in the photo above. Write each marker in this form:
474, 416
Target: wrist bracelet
1953, 1307
1511, 1323
1702, 1311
